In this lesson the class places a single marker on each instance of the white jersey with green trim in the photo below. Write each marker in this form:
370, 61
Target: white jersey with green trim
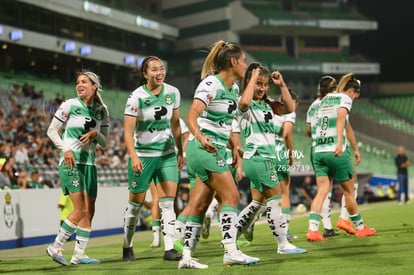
221, 107
258, 126
78, 119
279, 122
152, 133
312, 118
326, 134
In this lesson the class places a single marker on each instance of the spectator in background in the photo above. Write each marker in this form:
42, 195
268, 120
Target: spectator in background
402, 163
34, 182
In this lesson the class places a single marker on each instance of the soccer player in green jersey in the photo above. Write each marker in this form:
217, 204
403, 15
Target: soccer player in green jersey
84, 121
153, 139
259, 159
331, 158
209, 120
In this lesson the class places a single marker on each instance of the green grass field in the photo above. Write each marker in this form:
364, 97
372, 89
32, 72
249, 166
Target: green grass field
391, 251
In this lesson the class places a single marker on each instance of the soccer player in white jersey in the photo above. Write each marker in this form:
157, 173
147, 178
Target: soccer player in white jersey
84, 121
331, 157
152, 134
259, 159
209, 120
328, 84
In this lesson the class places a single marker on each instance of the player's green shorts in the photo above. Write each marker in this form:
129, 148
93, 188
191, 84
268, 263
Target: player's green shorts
261, 172
326, 164
157, 169
81, 177
282, 163
202, 162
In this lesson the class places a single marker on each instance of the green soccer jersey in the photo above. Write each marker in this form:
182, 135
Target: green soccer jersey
78, 119
257, 125
221, 107
326, 134
152, 133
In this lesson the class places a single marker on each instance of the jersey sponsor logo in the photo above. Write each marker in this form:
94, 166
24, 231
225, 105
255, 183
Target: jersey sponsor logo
159, 112
326, 140
267, 116
232, 106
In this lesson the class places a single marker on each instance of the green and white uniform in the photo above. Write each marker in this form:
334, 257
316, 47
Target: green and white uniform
258, 126
282, 152
154, 143
215, 122
77, 119
326, 164
312, 119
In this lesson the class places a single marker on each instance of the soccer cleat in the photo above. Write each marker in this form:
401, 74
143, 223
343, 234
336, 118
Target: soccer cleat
56, 254
205, 231
178, 246
83, 259
291, 250
314, 236
290, 237
365, 232
172, 255
239, 258
330, 233
128, 254
346, 226
191, 263
248, 234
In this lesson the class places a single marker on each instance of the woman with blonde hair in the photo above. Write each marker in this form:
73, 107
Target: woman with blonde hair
84, 121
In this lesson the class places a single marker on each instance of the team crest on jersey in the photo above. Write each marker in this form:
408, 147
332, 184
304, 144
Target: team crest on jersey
134, 184
220, 162
168, 99
273, 176
75, 182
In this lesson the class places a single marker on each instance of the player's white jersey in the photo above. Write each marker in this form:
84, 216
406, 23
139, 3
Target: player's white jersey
326, 135
221, 107
78, 119
258, 126
153, 135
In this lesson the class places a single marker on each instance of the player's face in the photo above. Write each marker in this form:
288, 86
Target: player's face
261, 87
240, 66
84, 87
155, 73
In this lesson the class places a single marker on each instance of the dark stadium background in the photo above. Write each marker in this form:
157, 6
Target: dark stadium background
392, 44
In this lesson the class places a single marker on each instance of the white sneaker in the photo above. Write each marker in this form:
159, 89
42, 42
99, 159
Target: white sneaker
83, 259
191, 263
56, 254
238, 257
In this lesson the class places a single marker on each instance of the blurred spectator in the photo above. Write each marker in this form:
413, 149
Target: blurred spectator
118, 159
402, 163
102, 158
35, 182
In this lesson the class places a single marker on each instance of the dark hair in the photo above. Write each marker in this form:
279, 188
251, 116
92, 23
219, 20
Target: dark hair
349, 81
327, 84
219, 57
144, 67
248, 74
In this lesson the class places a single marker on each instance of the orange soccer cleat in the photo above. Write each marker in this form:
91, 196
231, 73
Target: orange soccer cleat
365, 232
314, 236
345, 225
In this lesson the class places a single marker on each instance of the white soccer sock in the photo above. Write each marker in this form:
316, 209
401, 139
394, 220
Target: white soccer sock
65, 231
326, 211
167, 221
247, 216
130, 221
